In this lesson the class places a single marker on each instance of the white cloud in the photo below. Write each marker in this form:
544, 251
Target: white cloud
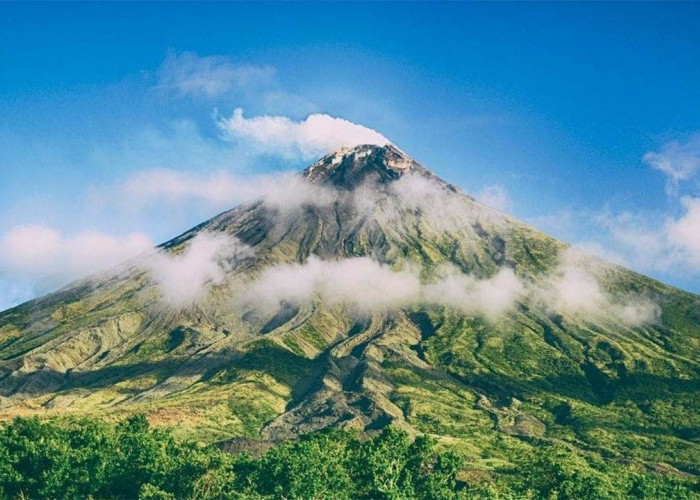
440, 208
412, 192
495, 197
646, 244
188, 74
15, 291
283, 191
184, 278
670, 245
44, 252
316, 135
645, 240
684, 232
44, 258
572, 288
638, 240
576, 290
638, 311
219, 189
679, 161
360, 282
602, 252
367, 286
464, 293
293, 192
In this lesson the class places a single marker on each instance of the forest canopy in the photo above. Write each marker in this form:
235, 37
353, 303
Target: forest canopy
89, 458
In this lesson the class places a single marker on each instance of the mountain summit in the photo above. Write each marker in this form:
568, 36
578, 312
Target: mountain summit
369, 292
349, 167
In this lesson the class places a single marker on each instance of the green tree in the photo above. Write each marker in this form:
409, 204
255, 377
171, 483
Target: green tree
314, 467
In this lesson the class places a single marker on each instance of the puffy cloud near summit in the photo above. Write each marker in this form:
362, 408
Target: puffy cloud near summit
316, 135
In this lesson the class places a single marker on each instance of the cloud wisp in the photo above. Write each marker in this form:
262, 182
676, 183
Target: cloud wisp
284, 192
184, 278
648, 241
668, 245
187, 74
46, 254
684, 232
496, 197
316, 135
437, 204
680, 161
38, 258
573, 289
366, 286
217, 189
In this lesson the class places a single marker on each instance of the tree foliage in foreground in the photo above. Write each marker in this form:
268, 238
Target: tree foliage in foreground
93, 459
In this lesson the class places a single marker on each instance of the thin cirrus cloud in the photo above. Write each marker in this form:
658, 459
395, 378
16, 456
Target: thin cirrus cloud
316, 135
188, 74
669, 245
646, 243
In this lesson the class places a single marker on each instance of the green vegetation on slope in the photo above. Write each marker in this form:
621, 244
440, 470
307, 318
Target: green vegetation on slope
91, 459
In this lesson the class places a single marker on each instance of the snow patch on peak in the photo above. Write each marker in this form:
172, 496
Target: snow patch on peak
358, 152
339, 155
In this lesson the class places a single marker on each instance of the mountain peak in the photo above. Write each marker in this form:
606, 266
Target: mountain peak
349, 167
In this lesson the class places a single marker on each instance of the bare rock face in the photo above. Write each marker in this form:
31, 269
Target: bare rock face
370, 293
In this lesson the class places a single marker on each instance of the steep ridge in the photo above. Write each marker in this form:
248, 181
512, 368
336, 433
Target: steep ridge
371, 292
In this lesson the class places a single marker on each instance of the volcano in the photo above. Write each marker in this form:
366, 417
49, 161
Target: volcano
368, 292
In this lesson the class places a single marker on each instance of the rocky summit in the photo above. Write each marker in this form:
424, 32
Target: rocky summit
361, 293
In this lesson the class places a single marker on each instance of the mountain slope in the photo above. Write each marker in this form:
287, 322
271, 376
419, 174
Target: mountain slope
371, 292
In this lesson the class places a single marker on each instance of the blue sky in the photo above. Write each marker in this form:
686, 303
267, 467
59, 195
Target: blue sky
582, 119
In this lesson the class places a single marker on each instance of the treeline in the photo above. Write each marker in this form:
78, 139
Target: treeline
93, 459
